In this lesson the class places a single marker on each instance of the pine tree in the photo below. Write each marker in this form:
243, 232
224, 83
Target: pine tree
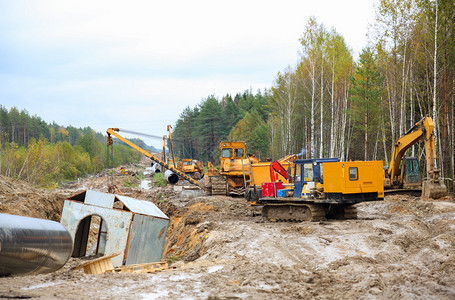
366, 91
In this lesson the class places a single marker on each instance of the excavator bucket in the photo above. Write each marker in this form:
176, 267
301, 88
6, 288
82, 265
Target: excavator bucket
433, 190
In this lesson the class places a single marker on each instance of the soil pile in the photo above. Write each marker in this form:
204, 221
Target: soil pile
20, 198
220, 248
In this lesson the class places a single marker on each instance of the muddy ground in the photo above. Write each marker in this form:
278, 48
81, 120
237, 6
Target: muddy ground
220, 248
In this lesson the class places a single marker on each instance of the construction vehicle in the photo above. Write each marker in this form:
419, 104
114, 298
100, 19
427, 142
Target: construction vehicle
280, 170
323, 188
114, 132
195, 169
124, 171
234, 164
403, 173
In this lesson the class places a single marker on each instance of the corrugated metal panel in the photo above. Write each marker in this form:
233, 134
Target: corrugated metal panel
146, 240
99, 199
142, 207
117, 223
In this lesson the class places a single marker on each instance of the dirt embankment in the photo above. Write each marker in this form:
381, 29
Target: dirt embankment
221, 248
19, 198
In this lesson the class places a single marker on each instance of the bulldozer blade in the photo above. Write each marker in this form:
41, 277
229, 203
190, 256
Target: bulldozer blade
433, 190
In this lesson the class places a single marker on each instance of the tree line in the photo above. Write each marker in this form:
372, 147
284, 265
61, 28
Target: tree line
48, 154
199, 130
330, 104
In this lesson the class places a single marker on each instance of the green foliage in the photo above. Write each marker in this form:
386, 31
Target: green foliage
366, 91
50, 154
173, 259
199, 131
140, 176
131, 182
159, 179
253, 130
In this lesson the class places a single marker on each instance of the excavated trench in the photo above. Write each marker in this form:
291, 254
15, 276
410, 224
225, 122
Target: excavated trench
187, 231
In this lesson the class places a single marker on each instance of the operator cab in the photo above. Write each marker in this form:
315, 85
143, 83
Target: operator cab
308, 171
410, 172
232, 150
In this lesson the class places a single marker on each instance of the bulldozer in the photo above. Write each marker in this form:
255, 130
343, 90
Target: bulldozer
235, 167
322, 188
403, 173
191, 168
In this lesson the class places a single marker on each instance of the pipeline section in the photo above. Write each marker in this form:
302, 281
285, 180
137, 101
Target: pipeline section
32, 246
171, 177
155, 168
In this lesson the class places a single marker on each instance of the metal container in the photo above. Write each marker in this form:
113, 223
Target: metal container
32, 246
171, 177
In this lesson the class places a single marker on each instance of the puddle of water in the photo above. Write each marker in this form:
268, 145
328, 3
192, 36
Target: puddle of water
148, 170
156, 295
214, 269
145, 184
42, 285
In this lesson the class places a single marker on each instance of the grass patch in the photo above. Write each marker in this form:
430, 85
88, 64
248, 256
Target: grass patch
159, 179
161, 198
173, 259
140, 176
131, 182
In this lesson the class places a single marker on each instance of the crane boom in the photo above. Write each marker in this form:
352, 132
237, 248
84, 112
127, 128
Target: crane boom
113, 131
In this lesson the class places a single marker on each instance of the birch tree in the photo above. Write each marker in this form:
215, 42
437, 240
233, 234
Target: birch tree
309, 53
284, 98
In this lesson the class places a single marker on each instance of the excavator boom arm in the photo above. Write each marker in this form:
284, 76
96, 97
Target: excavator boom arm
422, 129
400, 147
432, 186
113, 131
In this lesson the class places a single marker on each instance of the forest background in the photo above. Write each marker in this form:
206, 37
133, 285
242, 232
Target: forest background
328, 104
49, 154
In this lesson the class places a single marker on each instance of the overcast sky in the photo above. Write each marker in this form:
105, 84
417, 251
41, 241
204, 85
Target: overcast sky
138, 64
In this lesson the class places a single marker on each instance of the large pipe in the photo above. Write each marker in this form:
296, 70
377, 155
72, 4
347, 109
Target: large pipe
171, 177
155, 168
32, 246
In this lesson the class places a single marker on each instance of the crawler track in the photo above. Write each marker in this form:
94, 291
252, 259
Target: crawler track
350, 212
294, 212
219, 185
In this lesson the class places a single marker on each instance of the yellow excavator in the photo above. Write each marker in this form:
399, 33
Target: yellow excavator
404, 173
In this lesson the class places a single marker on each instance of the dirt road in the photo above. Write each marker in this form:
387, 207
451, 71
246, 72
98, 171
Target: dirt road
222, 249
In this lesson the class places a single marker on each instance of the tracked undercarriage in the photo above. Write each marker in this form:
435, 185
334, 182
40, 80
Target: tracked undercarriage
219, 185
225, 185
293, 212
312, 211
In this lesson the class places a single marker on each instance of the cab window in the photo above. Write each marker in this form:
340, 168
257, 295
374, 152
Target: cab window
226, 153
238, 152
298, 173
308, 172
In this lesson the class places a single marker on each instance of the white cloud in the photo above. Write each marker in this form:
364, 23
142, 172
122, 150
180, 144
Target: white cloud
137, 64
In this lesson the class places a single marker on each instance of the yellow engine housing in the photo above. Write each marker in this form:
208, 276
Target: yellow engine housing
354, 177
